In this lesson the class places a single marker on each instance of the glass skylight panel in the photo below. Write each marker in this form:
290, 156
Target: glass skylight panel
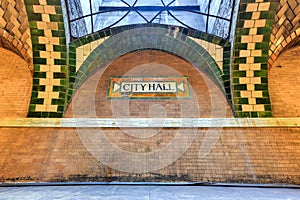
203, 15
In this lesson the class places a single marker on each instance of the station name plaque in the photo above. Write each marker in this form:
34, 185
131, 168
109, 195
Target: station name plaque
148, 87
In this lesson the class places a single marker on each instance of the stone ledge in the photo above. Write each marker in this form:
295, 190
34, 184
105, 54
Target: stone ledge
149, 122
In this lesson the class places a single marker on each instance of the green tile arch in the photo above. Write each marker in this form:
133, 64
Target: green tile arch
158, 37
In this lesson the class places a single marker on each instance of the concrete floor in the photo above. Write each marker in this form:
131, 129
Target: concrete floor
147, 192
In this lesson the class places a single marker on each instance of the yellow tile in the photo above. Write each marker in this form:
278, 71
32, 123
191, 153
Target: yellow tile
256, 53
246, 39
243, 67
256, 80
252, 101
48, 33
258, 108
41, 25
257, 94
55, 68
49, 47
248, 24
49, 9
49, 88
244, 80
43, 95
255, 15
258, 38
251, 7
38, 9
249, 73
50, 61
250, 87
247, 107
51, 108
244, 53
44, 54
46, 17
55, 55
250, 60
264, 6
43, 40
43, 2
54, 95
255, 66
40, 108
245, 94
260, 23
253, 31
251, 46
54, 41
49, 74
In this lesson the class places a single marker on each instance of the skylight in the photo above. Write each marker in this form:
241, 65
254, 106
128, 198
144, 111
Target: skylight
210, 16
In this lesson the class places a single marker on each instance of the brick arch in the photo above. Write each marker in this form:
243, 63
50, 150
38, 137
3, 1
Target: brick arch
10, 43
155, 38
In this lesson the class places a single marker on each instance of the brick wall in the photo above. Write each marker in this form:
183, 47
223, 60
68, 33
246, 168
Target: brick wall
90, 100
15, 85
244, 155
284, 84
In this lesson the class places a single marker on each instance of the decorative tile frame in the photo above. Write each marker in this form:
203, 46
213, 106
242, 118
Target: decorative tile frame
166, 38
50, 80
250, 59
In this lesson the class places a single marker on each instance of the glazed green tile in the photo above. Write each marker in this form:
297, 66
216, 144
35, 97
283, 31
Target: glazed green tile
240, 87
243, 114
34, 94
29, 8
39, 47
261, 59
60, 62
37, 101
56, 18
254, 114
62, 41
41, 61
265, 114
54, 2
36, 53
260, 73
39, 74
265, 94
58, 101
263, 100
34, 114
34, 17
59, 88
261, 87
32, 107
58, 33
33, 24
239, 73
55, 115
40, 88
268, 107
36, 81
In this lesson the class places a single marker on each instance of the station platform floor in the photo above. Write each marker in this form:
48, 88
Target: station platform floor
147, 191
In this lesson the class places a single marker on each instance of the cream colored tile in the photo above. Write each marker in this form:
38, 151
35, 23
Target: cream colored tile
247, 108
245, 94
259, 108
251, 7
264, 6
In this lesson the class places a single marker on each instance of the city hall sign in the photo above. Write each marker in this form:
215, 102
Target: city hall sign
148, 87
